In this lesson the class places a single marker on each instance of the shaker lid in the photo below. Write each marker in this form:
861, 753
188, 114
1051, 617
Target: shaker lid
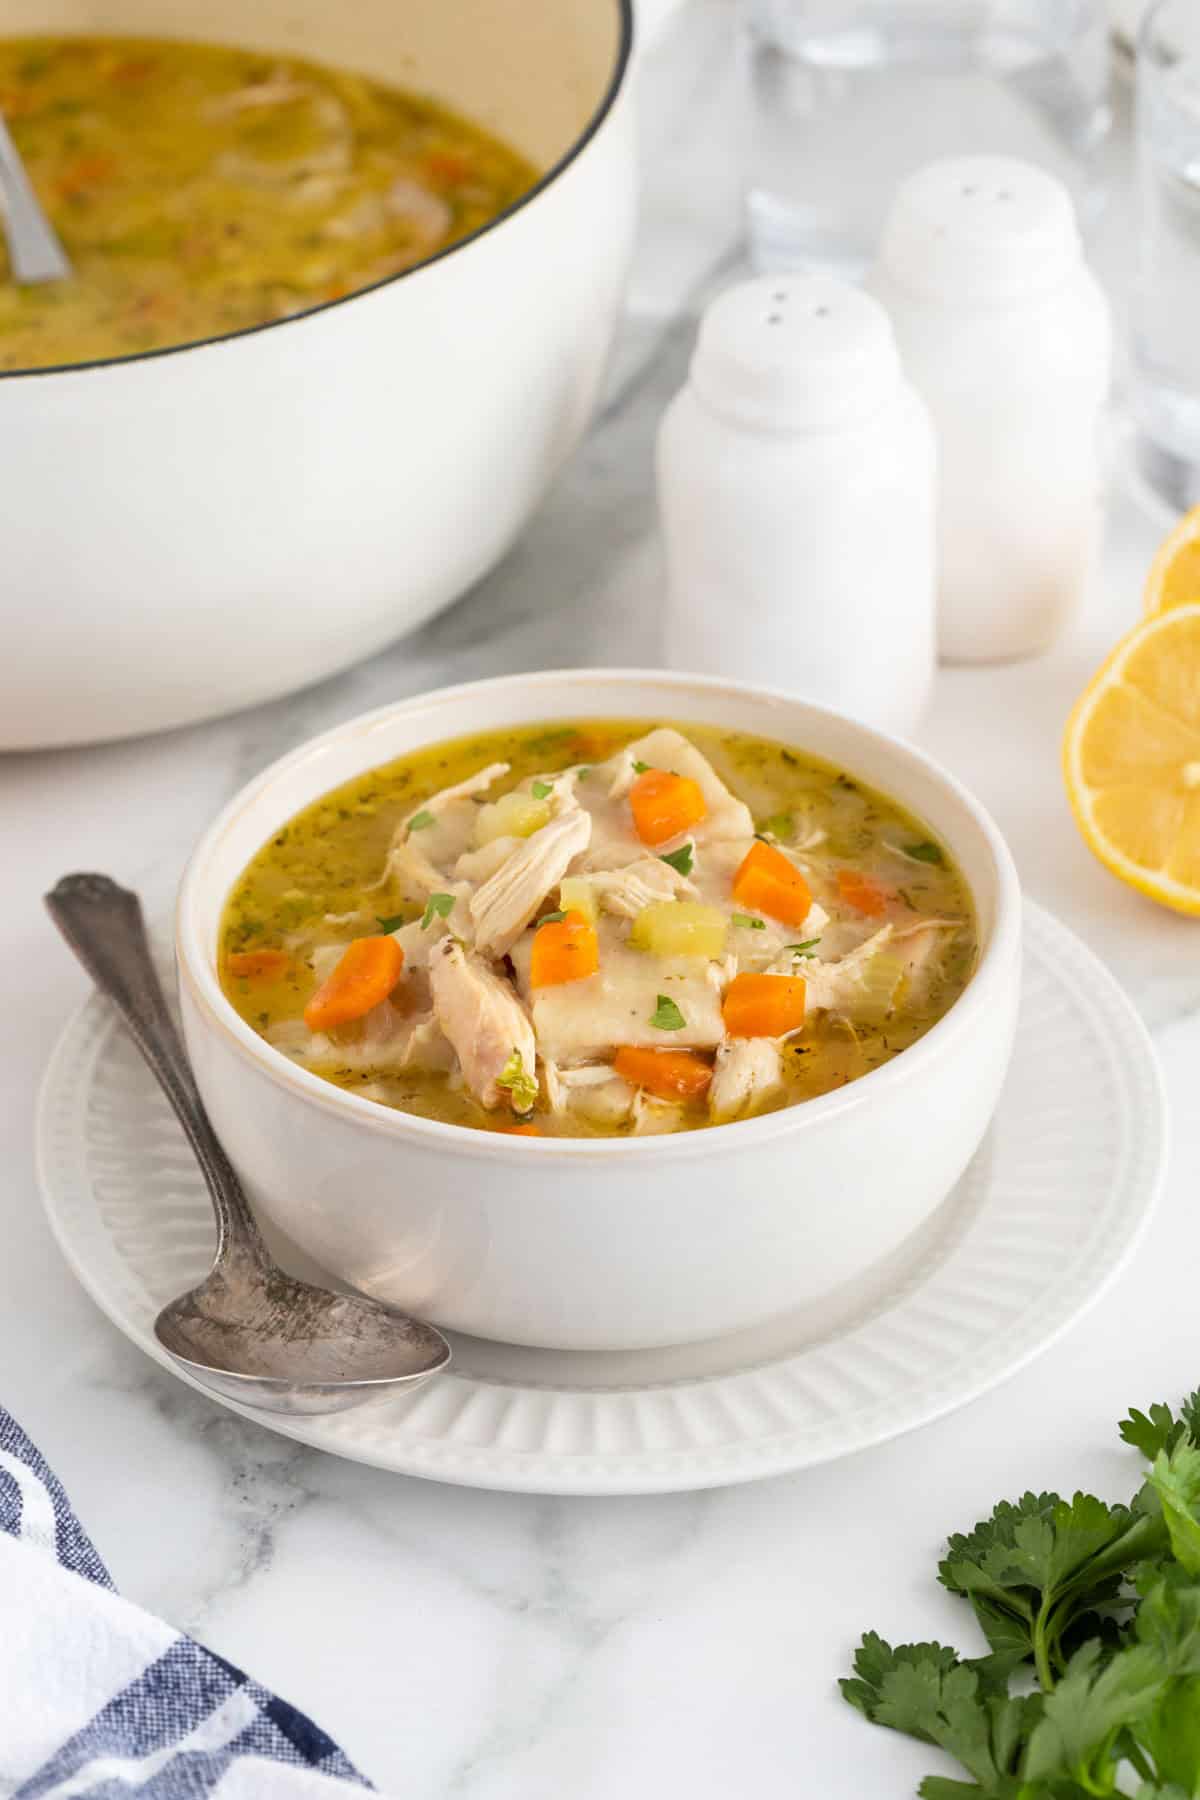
981, 228
798, 352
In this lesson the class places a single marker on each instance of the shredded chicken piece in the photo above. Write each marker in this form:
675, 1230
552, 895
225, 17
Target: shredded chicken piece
276, 90
920, 945
410, 870
831, 985
719, 974
427, 214
481, 865
604, 1097
418, 940
653, 1117
419, 859
747, 1071
483, 1019
622, 772
386, 1039
625, 892
595, 1090
504, 905
438, 803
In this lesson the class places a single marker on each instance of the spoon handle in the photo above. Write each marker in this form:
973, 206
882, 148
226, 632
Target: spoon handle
103, 924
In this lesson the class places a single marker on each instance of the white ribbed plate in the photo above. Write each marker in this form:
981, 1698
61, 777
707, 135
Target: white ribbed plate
1051, 1208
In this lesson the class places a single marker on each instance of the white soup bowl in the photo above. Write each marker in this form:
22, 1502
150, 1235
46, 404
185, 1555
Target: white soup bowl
597, 1244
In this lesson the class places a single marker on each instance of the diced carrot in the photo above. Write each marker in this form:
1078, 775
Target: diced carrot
564, 950
665, 804
87, 171
768, 881
134, 68
520, 1131
449, 168
668, 1074
257, 965
369, 970
864, 893
763, 1005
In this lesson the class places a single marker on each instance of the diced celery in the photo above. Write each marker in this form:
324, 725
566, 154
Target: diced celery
513, 815
680, 928
878, 988
575, 894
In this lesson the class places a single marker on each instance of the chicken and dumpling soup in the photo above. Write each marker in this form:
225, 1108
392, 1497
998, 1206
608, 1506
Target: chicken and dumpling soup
602, 929
199, 189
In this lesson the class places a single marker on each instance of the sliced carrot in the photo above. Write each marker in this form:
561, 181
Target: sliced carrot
665, 804
564, 950
668, 1074
367, 973
257, 965
519, 1131
768, 881
864, 893
763, 1005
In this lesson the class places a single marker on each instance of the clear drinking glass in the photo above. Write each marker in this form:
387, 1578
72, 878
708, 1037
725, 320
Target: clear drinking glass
849, 96
1166, 301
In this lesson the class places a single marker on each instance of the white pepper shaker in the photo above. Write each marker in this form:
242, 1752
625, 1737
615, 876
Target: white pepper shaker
796, 479
1008, 337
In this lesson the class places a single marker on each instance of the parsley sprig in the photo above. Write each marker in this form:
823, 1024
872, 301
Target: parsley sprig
1101, 1604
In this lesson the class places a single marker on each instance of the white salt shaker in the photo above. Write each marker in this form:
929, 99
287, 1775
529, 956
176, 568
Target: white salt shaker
796, 477
1008, 336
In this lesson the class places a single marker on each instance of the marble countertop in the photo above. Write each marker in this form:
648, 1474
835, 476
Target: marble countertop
498, 1647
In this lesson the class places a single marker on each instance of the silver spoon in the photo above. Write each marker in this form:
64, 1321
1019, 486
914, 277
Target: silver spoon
249, 1330
34, 252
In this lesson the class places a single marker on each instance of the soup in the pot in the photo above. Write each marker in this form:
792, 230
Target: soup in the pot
199, 189
598, 929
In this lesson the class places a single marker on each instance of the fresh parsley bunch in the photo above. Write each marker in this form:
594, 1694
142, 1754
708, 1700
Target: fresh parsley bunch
1092, 1615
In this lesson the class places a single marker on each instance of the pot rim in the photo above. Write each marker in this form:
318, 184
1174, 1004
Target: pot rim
608, 99
980, 997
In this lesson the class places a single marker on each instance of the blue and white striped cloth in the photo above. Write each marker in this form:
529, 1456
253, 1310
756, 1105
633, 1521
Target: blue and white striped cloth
99, 1700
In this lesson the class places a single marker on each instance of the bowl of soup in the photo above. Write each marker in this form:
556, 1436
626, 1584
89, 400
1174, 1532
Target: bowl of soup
345, 282
600, 1010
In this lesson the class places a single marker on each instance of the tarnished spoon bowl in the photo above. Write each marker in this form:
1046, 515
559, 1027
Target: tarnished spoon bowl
249, 1330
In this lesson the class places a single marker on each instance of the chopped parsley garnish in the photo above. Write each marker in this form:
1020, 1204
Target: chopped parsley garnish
541, 790
421, 821
582, 772
780, 825
666, 1015
804, 949
681, 859
553, 918
926, 853
751, 924
520, 1084
640, 768
438, 906
387, 926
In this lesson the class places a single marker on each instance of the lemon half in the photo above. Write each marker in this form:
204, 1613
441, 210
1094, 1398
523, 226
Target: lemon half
1131, 757
1174, 578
